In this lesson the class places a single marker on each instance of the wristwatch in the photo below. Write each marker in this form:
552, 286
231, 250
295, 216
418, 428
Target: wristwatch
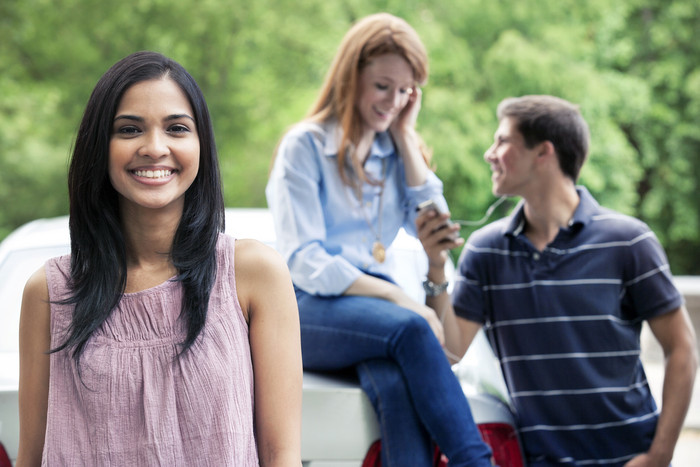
432, 289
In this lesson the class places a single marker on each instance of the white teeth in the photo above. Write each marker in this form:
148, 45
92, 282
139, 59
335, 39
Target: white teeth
153, 173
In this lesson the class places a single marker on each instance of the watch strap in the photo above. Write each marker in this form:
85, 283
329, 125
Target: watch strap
432, 289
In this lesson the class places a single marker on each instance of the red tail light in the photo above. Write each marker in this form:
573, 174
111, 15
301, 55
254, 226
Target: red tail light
4, 458
503, 441
374, 455
501, 437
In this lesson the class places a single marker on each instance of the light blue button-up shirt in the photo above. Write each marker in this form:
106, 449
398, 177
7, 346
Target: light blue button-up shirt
319, 222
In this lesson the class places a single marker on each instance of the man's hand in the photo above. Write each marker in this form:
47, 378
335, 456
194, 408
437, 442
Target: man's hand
435, 238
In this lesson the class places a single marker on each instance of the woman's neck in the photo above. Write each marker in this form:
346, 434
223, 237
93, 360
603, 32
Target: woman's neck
364, 146
149, 242
149, 235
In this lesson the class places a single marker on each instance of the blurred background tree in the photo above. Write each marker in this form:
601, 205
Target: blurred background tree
632, 66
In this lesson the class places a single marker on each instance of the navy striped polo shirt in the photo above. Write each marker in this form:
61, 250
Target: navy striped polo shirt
565, 325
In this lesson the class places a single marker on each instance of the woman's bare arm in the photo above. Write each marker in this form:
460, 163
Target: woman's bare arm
34, 343
265, 291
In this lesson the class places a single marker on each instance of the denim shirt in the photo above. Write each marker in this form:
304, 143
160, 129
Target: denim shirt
323, 231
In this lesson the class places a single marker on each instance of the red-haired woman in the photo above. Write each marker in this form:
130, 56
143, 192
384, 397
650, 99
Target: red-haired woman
344, 181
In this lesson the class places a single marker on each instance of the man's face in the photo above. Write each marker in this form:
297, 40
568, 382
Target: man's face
512, 163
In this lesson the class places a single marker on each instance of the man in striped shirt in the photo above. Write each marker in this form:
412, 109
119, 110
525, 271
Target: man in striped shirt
562, 287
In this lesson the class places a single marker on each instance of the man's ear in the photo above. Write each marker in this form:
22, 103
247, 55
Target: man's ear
546, 148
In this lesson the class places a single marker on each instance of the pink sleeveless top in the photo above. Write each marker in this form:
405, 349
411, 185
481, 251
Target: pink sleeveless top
139, 405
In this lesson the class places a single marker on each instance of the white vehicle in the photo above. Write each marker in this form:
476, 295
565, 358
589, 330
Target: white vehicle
339, 427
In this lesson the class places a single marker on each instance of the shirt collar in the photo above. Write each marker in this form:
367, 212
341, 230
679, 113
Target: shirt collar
586, 209
382, 146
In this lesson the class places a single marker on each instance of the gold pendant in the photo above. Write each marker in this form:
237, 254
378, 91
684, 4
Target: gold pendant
378, 252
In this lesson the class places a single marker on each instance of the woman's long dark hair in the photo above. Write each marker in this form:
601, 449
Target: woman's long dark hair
98, 253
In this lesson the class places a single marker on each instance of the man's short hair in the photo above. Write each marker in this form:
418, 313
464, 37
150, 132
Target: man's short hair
549, 118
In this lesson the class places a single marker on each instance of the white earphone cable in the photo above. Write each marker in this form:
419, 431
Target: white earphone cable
483, 220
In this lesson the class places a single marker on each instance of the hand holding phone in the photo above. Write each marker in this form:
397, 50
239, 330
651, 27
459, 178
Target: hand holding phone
432, 205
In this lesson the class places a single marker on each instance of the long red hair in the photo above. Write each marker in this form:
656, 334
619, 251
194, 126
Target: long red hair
370, 37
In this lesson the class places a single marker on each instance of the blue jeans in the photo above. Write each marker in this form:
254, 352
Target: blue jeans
402, 369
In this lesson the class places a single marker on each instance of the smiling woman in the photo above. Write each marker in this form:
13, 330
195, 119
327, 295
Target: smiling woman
344, 183
386, 86
154, 148
167, 341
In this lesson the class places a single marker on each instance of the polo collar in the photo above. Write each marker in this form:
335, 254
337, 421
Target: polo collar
586, 209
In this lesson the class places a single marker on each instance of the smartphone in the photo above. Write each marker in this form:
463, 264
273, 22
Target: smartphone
430, 204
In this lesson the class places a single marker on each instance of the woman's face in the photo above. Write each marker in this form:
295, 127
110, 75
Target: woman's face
385, 86
154, 146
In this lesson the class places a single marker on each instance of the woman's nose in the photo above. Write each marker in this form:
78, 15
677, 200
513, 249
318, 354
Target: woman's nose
155, 145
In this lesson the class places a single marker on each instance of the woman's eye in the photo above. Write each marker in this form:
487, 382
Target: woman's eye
179, 128
128, 130
382, 87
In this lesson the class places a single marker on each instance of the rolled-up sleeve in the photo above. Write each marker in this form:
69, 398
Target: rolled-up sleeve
294, 193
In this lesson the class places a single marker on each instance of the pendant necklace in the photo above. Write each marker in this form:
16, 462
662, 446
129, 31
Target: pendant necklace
378, 249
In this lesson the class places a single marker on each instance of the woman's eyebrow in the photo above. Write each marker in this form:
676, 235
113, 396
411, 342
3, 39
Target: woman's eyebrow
179, 116
128, 117
393, 80
141, 119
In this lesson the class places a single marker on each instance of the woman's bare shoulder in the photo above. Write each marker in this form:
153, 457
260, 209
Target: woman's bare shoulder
260, 270
257, 256
36, 290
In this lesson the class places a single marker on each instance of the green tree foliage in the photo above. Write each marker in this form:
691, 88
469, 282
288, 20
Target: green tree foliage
631, 65
659, 45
